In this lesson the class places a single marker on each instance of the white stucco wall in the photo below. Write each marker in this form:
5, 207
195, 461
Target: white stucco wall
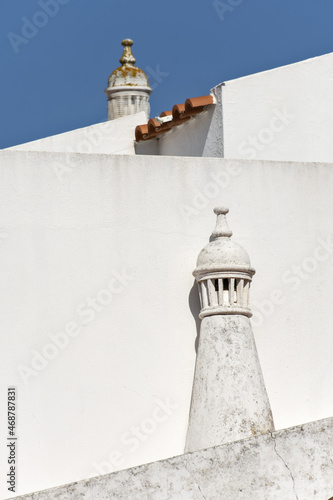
117, 391
111, 137
281, 114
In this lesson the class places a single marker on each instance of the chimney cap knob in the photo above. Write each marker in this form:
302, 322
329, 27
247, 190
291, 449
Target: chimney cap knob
221, 210
127, 57
222, 229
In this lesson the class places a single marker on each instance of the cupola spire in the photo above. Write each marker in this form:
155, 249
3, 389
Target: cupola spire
128, 88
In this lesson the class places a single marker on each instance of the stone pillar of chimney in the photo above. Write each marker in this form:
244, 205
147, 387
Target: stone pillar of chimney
229, 398
128, 88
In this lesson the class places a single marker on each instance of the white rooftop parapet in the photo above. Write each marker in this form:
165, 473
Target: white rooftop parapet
229, 399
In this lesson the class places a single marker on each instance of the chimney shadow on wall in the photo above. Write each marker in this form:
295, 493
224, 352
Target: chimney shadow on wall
194, 303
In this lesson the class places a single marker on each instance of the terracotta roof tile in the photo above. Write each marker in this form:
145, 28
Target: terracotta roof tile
196, 104
153, 126
179, 114
141, 132
178, 111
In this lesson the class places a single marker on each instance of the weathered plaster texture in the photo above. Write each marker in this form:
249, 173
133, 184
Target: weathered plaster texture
229, 399
293, 464
215, 139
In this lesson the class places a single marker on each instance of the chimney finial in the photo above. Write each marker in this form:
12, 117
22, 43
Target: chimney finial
222, 229
127, 57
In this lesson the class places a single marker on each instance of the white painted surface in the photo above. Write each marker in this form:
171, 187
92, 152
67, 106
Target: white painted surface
64, 242
229, 398
281, 114
116, 137
290, 464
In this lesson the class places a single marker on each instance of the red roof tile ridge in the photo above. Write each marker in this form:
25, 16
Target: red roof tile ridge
180, 113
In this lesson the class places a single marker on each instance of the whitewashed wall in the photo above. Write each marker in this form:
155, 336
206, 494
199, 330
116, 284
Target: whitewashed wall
111, 137
118, 393
282, 114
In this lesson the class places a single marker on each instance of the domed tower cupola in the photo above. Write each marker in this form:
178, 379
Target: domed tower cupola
128, 88
223, 273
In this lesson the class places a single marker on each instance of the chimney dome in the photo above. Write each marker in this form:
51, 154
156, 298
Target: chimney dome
223, 273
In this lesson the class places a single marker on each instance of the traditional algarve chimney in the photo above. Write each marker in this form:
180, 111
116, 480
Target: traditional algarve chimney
128, 89
229, 399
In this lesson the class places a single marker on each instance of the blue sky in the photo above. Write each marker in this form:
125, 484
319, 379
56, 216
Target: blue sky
54, 74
